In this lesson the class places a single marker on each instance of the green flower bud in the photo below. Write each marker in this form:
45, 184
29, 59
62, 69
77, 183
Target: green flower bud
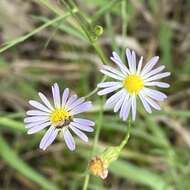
99, 164
111, 154
98, 30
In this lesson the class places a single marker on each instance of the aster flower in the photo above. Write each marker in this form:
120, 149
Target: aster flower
133, 82
61, 117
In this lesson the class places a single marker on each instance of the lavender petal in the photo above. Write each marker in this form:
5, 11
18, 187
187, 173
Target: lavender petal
69, 139
76, 103
36, 119
84, 121
56, 95
145, 103
111, 75
151, 63
70, 101
81, 108
37, 128
48, 138
37, 113
79, 133
82, 127
109, 89
45, 101
39, 106
65, 97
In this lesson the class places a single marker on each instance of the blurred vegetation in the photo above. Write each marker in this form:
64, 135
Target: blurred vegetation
43, 41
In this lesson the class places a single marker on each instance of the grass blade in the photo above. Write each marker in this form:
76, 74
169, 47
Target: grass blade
139, 175
165, 38
35, 31
12, 124
15, 162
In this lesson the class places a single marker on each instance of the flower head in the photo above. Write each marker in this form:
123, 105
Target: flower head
133, 82
99, 164
59, 118
98, 168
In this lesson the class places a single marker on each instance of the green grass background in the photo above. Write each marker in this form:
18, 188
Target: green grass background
46, 41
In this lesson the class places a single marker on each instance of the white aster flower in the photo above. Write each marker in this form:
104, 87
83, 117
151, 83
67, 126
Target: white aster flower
59, 118
133, 82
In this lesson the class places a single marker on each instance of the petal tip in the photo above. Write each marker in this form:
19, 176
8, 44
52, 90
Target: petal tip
55, 84
42, 148
29, 133
30, 101
128, 50
72, 148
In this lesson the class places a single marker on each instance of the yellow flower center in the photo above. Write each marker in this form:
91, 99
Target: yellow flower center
59, 117
133, 84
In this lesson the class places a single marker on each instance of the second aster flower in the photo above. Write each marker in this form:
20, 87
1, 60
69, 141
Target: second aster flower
61, 117
133, 82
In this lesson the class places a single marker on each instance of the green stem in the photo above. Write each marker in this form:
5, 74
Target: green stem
95, 89
100, 53
87, 28
124, 21
108, 6
111, 32
99, 125
54, 9
35, 31
85, 25
86, 181
126, 139
79, 18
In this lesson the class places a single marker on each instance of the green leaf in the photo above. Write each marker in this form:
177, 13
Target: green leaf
12, 124
157, 131
138, 175
165, 38
104, 9
186, 65
66, 27
32, 33
18, 164
178, 113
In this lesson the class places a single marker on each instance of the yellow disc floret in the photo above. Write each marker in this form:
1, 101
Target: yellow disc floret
133, 83
59, 116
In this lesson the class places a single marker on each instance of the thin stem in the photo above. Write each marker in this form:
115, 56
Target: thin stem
124, 21
100, 53
95, 89
104, 9
111, 32
126, 139
99, 125
87, 28
54, 9
86, 181
79, 18
35, 31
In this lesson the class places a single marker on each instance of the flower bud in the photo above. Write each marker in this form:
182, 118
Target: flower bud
98, 167
98, 30
111, 154
99, 164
